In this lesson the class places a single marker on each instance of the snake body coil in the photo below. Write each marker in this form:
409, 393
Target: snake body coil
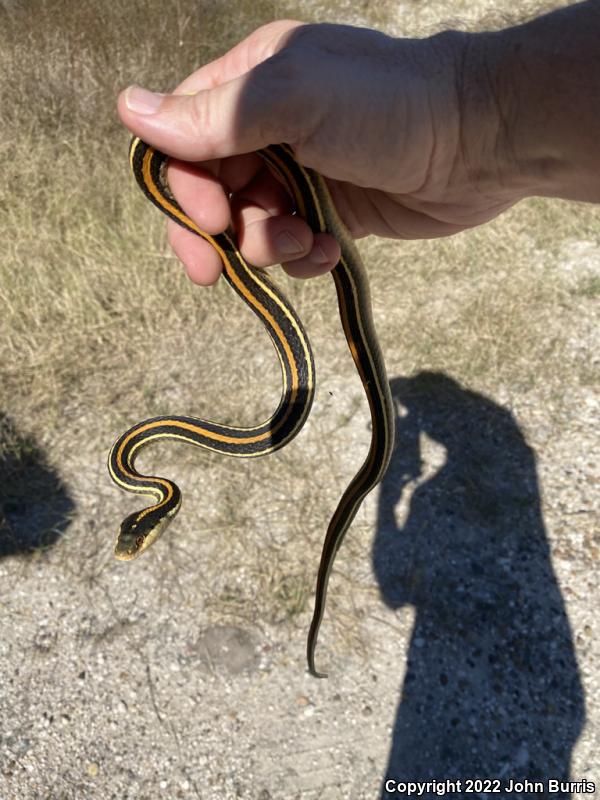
314, 204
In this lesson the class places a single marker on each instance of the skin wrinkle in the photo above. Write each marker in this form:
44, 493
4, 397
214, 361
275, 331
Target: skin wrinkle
379, 212
503, 126
462, 161
459, 83
200, 116
431, 160
407, 119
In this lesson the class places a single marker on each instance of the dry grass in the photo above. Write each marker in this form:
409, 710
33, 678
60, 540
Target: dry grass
99, 327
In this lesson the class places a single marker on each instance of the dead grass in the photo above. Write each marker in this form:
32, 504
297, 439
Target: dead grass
99, 327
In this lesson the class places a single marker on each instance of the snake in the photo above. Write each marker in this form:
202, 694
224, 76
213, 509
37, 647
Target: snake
313, 202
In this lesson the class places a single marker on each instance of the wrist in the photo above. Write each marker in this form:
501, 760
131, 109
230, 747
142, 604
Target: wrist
487, 151
502, 154
533, 88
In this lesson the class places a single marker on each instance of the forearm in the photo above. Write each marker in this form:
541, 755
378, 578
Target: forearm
544, 78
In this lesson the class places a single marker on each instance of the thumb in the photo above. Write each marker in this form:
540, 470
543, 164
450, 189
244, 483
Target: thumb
239, 116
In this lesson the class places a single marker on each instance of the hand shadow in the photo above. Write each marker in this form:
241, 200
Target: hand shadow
491, 688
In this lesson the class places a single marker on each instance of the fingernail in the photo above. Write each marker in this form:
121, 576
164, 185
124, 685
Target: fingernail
288, 245
318, 256
142, 101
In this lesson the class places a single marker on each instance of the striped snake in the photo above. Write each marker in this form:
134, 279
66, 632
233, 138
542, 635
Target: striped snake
313, 202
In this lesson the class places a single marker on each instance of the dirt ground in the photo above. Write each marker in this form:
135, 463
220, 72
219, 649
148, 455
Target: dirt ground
467, 603
461, 634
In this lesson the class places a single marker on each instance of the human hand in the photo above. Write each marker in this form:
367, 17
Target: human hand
382, 119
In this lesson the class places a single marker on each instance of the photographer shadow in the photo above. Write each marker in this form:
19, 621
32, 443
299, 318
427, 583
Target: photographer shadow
491, 688
35, 506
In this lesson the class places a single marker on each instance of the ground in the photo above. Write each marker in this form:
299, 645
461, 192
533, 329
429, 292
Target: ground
461, 635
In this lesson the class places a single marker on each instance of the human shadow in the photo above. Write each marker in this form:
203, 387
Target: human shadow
35, 506
491, 688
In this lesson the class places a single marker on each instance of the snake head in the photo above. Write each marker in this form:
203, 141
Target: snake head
138, 531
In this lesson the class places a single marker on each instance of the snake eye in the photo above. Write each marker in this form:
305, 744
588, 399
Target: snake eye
139, 541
